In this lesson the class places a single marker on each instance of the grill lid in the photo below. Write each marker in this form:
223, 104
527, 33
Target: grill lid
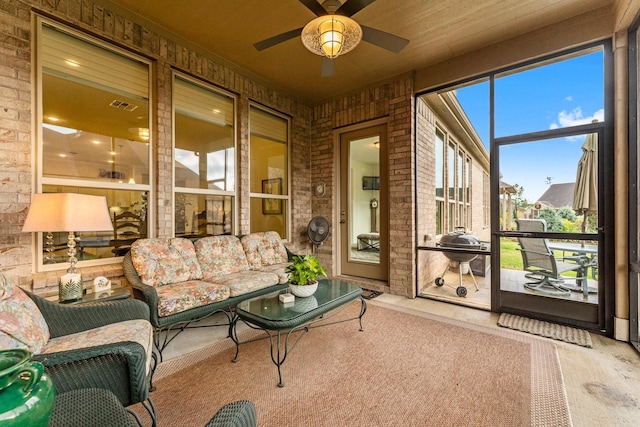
460, 239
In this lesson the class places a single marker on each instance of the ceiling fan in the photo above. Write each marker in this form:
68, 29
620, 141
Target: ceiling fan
334, 33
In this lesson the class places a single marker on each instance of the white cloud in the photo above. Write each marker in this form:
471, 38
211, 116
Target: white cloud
575, 117
569, 98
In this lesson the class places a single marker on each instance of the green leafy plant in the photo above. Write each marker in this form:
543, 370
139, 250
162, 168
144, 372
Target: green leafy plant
304, 269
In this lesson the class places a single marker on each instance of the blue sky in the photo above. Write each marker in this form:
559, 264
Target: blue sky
561, 94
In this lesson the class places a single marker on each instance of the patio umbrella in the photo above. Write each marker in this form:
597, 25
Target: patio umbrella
585, 192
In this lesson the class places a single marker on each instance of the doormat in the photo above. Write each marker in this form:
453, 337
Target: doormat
546, 329
369, 294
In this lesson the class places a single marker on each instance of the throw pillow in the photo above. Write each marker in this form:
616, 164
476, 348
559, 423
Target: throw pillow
21, 323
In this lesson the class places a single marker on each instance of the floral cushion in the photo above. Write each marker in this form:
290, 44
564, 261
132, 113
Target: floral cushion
138, 330
21, 323
165, 261
247, 281
264, 248
220, 255
278, 270
194, 293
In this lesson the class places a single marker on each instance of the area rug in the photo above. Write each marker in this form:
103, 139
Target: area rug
421, 370
546, 329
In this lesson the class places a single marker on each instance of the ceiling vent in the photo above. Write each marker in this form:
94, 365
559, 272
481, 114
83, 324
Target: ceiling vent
123, 105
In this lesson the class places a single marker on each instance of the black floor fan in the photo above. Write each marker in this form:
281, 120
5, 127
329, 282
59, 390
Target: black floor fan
318, 231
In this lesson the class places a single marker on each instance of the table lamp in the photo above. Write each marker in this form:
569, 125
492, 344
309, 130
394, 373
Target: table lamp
68, 212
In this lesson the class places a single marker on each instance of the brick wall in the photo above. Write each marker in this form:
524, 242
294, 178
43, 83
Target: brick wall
16, 86
309, 127
431, 264
392, 101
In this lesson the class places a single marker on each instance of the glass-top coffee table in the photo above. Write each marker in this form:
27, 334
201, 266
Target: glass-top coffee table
280, 320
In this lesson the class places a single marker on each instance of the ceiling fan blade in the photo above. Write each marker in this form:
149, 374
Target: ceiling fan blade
272, 41
385, 40
314, 7
351, 7
328, 67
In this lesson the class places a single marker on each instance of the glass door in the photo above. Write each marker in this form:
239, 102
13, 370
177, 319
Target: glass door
552, 215
363, 203
551, 251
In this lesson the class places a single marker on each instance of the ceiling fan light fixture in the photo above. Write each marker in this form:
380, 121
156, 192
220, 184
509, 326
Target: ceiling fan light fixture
331, 35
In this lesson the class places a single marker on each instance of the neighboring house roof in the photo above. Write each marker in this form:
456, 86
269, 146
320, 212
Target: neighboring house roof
558, 195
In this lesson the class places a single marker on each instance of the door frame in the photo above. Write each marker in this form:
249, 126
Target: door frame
383, 196
542, 307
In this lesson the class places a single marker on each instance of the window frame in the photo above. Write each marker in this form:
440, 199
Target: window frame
285, 198
175, 190
457, 166
41, 180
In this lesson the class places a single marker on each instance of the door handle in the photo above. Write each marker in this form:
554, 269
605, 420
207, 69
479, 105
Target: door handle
342, 221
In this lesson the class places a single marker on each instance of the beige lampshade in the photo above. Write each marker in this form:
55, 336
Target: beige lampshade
68, 212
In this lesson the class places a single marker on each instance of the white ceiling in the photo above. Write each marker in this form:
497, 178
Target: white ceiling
438, 30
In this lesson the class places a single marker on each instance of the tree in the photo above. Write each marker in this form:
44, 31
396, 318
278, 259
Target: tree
553, 219
519, 201
567, 213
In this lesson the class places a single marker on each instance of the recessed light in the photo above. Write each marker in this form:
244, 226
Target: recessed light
72, 63
216, 111
62, 155
113, 153
53, 119
110, 161
95, 141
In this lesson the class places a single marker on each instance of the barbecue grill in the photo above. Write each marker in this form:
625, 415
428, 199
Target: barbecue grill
459, 240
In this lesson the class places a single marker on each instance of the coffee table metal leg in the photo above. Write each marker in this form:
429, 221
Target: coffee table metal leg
363, 310
279, 361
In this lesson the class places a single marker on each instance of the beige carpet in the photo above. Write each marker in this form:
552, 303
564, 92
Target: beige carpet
546, 329
402, 370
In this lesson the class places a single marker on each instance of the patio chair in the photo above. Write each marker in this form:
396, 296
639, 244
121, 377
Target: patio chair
544, 269
105, 345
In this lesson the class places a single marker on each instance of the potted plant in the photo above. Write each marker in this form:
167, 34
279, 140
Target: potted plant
303, 274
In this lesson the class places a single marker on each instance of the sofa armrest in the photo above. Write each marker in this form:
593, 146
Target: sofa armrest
118, 367
142, 292
290, 254
69, 319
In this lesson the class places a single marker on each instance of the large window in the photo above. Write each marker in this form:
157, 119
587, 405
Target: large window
93, 137
269, 157
457, 179
204, 160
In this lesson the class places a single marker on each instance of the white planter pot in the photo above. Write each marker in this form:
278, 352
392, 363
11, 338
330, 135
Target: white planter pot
303, 291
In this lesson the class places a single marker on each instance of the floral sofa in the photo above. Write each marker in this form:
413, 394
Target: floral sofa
183, 281
107, 345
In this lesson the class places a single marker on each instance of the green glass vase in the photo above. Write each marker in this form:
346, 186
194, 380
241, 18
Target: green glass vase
27, 394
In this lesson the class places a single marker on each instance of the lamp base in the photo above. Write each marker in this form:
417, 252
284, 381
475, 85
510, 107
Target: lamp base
70, 287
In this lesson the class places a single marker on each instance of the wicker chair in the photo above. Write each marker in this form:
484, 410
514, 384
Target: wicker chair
241, 413
120, 367
93, 407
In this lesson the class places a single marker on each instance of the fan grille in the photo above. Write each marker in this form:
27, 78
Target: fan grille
318, 230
